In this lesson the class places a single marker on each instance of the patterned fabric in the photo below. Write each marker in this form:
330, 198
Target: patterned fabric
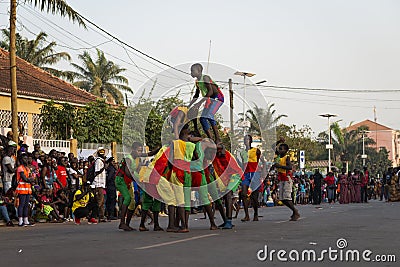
284, 175
250, 160
204, 90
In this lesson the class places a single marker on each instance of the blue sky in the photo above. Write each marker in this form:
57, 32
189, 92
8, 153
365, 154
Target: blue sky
310, 43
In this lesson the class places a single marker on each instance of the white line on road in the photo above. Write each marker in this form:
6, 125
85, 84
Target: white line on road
177, 241
301, 218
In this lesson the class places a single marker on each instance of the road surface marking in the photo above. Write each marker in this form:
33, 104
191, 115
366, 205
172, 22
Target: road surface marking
177, 241
301, 218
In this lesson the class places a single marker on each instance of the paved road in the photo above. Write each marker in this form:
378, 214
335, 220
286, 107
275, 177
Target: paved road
373, 226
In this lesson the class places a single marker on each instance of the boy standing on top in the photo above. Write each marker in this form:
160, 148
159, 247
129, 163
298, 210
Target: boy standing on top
213, 98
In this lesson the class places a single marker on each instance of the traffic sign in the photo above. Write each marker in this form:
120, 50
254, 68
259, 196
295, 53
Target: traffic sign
302, 159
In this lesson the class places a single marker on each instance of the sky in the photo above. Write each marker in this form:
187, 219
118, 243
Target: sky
338, 44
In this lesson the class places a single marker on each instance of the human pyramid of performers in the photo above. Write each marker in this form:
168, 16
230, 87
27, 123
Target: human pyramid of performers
189, 162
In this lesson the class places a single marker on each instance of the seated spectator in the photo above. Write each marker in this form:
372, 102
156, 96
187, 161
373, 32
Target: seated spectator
3, 209
12, 198
48, 207
62, 203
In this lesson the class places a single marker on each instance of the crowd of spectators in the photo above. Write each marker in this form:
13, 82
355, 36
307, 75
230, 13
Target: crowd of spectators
37, 187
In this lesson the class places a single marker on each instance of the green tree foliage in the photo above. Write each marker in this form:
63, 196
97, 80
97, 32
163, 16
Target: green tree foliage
58, 119
146, 120
302, 139
153, 129
165, 105
377, 162
135, 121
97, 122
101, 122
100, 77
38, 51
58, 7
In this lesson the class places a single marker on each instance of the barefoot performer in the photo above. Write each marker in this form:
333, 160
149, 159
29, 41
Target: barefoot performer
213, 98
128, 171
251, 157
227, 169
284, 169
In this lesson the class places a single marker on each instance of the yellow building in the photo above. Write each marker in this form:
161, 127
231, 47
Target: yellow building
35, 87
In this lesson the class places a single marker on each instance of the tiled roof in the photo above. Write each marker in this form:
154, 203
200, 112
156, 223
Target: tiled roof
373, 126
35, 82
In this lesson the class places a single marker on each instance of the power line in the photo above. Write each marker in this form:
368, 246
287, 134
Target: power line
72, 48
64, 46
87, 48
320, 89
69, 47
326, 102
153, 72
148, 77
338, 97
44, 19
263, 87
131, 47
349, 98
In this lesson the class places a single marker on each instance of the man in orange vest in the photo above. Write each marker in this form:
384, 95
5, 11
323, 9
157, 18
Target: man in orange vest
24, 190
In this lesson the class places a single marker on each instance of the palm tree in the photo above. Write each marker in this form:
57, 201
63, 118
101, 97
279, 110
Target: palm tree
100, 77
36, 52
262, 119
58, 7
5, 42
53, 6
263, 122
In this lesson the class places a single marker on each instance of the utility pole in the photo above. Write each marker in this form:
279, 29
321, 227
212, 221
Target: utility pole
376, 130
13, 71
231, 106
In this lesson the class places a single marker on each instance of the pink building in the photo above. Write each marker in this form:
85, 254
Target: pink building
384, 137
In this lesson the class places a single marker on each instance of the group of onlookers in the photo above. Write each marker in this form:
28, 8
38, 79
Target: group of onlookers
37, 186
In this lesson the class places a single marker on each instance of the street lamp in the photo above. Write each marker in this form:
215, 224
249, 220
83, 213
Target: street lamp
329, 146
260, 82
363, 156
244, 74
71, 131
